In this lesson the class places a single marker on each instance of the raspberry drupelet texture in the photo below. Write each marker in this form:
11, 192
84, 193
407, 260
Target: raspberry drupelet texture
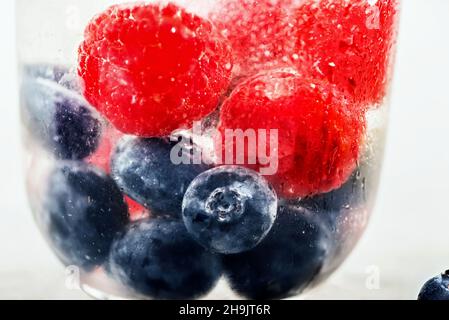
349, 43
319, 132
262, 33
151, 69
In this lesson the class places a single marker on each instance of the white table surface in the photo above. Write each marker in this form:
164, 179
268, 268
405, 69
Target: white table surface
408, 238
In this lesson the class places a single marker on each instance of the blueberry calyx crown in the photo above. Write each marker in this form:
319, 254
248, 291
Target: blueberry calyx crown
226, 204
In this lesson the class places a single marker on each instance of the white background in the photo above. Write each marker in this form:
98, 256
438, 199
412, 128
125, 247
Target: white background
408, 238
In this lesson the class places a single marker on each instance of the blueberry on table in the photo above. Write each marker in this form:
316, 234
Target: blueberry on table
144, 170
60, 118
436, 288
83, 211
285, 262
229, 209
158, 259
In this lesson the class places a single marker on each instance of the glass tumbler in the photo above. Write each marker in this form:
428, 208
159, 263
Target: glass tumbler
191, 149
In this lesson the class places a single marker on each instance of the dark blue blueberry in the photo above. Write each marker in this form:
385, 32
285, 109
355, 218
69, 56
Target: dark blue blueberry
144, 170
83, 211
59, 117
158, 259
352, 194
344, 212
286, 261
229, 209
436, 288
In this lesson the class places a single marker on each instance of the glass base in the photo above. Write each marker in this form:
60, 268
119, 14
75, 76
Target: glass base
111, 290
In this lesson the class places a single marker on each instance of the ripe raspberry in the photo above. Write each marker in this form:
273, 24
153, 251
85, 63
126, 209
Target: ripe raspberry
261, 32
319, 132
151, 69
102, 159
136, 210
349, 43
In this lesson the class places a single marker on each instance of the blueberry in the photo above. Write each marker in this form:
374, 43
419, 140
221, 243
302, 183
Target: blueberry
54, 73
436, 288
158, 259
352, 194
344, 212
144, 171
62, 120
83, 211
286, 261
229, 209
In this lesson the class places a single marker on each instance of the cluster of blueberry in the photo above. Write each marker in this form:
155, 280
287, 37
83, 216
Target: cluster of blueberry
205, 222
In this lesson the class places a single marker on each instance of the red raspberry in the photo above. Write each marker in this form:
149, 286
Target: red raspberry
261, 32
319, 132
151, 69
349, 43
136, 210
